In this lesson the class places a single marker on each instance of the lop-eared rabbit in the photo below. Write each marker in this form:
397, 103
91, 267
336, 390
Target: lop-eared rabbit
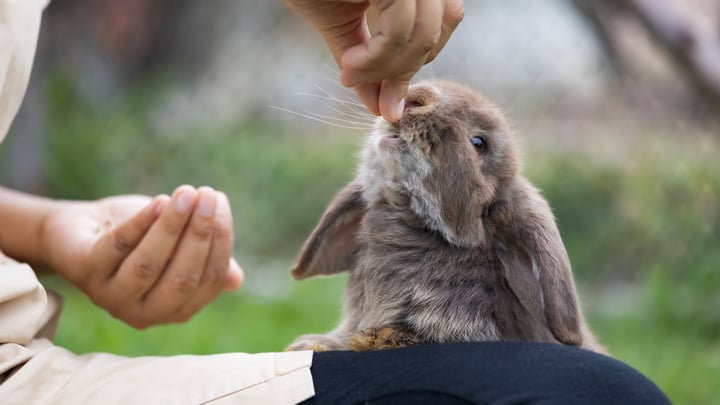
444, 238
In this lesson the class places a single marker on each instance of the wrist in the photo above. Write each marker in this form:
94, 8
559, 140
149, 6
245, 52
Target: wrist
46, 257
21, 217
54, 245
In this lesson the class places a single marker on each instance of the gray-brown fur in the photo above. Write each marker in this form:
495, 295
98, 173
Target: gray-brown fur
444, 241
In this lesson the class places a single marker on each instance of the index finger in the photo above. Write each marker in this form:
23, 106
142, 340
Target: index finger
395, 24
112, 248
147, 262
453, 14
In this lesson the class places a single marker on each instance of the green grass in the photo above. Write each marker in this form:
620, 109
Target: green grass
236, 322
685, 367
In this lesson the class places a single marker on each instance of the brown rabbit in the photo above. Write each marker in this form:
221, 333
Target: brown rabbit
445, 240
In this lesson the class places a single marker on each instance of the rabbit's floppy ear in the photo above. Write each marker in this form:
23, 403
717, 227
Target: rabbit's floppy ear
455, 207
536, 265
332, 247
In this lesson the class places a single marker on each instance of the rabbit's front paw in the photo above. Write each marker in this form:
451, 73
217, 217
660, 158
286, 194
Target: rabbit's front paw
316, 343
388, 337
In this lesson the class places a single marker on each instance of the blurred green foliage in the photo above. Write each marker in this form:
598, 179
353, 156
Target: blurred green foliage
277, 180
644, 238
657, 223
240, 321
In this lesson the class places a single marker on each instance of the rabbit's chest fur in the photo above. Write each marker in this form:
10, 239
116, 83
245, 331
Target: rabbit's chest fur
409, 275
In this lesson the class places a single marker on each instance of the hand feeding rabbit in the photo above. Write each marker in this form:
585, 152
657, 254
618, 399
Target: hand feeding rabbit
444, 239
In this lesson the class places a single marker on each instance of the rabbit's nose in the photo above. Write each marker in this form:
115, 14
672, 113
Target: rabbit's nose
420, 100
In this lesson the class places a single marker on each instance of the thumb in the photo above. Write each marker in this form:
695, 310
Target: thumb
115, 244
369, 94
392, 98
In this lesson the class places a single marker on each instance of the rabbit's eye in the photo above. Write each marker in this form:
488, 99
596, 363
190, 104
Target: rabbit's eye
479, 143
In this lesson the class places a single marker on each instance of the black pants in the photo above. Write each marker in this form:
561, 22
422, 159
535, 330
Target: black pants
479, 373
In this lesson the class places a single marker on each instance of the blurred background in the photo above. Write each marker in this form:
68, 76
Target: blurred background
616, 103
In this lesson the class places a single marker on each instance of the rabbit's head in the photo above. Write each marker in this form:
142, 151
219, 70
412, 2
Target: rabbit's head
446, 158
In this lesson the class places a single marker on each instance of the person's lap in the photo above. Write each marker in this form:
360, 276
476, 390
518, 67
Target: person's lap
489, 372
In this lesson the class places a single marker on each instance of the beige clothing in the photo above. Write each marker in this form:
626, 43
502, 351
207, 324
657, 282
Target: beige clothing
19, 26
34, 371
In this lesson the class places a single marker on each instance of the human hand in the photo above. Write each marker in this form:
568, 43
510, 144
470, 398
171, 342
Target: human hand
146, 261
379, 65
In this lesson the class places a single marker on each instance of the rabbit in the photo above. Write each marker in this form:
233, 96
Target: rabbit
444, 239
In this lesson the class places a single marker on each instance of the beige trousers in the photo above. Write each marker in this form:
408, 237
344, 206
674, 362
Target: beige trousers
34, 371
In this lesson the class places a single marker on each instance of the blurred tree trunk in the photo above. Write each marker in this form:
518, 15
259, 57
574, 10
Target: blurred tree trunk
102, 43
688, 30
24, 161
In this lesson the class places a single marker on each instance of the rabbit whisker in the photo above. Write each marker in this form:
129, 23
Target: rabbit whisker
327, 93
349, 106
317, 119
365, 117
331, 69
344, 103
348, 102
368, 125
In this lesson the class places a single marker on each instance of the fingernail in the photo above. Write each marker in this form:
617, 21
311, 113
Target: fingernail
184, 201
160, 203
400, 110
235, 268
236, 277
223, 206
206, 205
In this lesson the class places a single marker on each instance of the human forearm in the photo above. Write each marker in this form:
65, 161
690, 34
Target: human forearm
22, 217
